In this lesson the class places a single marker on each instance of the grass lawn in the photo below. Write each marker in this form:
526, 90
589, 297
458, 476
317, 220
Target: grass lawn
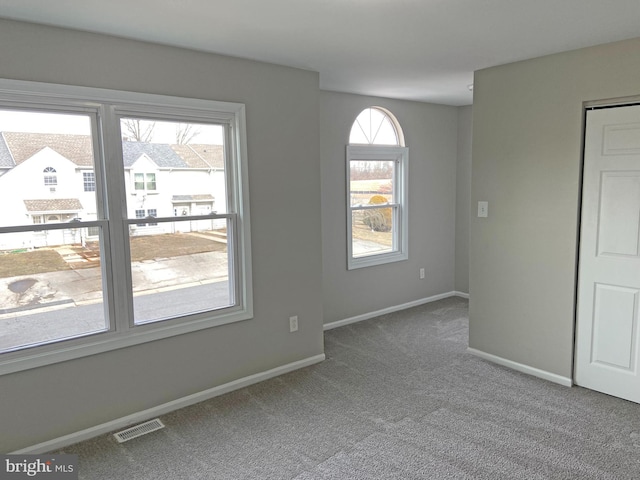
29, 263
148, 247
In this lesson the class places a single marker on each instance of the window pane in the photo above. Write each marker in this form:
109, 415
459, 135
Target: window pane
371, 182
372, 231
386, 133
139, 181
173, 167
151, 181
177, 170
373, 127
50, 287
50, 146
180, 268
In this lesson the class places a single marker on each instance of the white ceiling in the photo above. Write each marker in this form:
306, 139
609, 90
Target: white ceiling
423, 50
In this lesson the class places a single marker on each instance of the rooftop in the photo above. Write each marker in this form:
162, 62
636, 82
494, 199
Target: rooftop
17, 147
53, 205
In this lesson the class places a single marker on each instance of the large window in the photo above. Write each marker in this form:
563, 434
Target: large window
377, 167
103, 261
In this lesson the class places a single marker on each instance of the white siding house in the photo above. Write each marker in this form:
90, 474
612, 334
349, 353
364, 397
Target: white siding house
49, 178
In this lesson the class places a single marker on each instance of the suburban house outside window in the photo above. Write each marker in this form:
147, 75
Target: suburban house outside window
50, 177
377, 169
147, 273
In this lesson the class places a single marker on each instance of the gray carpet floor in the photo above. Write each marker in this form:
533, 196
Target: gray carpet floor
397, 398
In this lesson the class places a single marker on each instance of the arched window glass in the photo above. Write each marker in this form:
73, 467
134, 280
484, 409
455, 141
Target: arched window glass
377, 166
376, 126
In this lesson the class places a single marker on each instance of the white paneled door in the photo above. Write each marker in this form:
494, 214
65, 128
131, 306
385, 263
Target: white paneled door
608, 333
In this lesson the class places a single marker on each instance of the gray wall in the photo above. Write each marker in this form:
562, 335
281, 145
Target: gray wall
527, 129
431, 135
463, 193
283, 145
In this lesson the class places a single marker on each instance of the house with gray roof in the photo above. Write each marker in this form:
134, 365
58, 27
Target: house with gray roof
161, 180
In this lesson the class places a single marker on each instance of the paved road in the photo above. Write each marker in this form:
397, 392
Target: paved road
70, 320
68, 303
180, 301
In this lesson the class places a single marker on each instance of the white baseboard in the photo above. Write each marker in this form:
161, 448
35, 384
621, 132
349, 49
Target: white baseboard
165, 408
396, 308
552, 377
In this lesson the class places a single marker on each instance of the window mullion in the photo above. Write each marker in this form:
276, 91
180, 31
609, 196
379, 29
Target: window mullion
233, 201
106, 259
230, 171
118, 231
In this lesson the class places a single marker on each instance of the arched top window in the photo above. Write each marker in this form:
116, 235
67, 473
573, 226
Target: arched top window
377, 179
50, 176
376, 126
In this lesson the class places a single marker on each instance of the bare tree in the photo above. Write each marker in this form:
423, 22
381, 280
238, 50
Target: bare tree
138, 130
185, 132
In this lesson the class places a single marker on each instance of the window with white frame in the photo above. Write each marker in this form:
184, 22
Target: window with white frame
89, 181
140, 213
377, 173
124, 300
50, 176
152, 213
145, 182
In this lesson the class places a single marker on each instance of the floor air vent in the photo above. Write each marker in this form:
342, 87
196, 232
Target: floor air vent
139, 430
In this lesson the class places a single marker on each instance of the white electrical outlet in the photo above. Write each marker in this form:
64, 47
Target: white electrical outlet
422, 274
293, 323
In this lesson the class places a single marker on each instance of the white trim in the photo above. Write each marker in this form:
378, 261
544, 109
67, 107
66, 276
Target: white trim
536, 372
384, 311
461, 294
165, 408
